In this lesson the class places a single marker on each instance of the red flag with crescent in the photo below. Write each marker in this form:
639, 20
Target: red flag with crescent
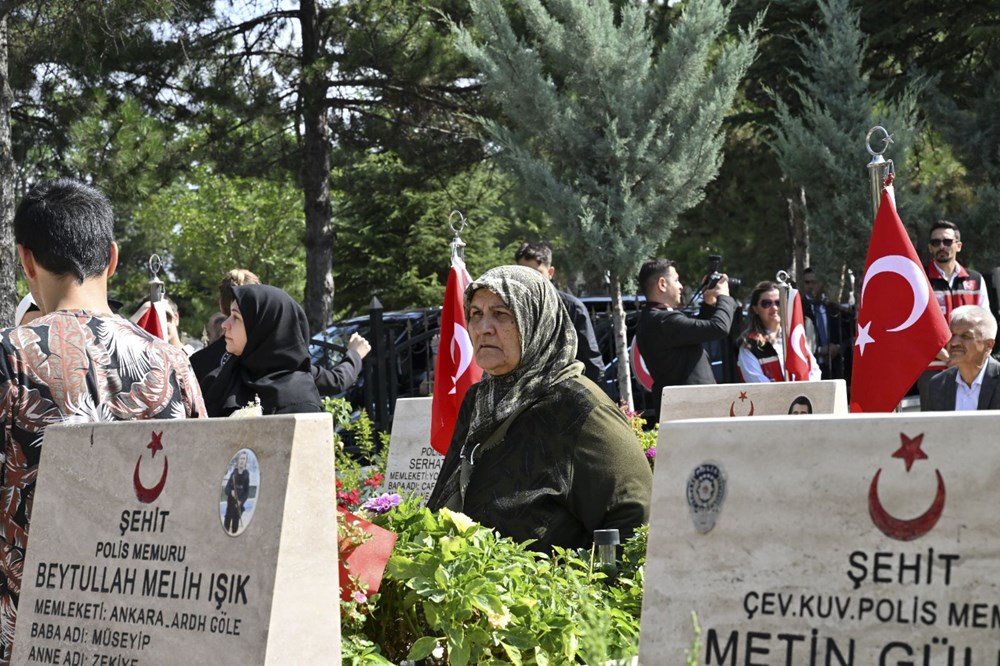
455, 370
900, 326
798, 361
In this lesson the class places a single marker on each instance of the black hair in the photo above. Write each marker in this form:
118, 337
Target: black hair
801, 400
945, 224
540, 252
755, 332
68, 226
652, 271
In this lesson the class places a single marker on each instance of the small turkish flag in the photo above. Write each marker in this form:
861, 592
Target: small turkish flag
456, 370
900, 326
798, 360
154, 320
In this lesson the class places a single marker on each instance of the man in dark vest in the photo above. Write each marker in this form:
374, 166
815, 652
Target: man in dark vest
953, 285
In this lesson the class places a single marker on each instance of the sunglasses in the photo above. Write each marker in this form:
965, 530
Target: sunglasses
938, 242
767, 302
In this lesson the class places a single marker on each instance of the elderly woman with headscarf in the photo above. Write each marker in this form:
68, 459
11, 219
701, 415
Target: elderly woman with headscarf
267, 339
539, 451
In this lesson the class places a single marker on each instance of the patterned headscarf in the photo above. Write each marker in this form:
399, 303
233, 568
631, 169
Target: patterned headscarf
548, 346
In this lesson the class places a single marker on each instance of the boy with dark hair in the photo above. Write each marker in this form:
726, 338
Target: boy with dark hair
76, 363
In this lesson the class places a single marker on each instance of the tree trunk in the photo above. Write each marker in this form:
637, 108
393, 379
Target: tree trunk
621, 343
319, 238
8, 255
799, 232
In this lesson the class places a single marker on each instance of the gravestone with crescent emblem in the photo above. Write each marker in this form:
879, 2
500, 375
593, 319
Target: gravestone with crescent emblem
183, 542
862, 539
727, 400
413, 465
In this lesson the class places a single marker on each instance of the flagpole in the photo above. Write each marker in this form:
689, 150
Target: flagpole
878, 167
782, 278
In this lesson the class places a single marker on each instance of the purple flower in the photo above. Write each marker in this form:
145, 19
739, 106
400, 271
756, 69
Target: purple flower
382, 503
359, 596
651, 453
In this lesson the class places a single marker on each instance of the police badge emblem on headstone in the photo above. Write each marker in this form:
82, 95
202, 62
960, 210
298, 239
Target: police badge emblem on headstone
706, 492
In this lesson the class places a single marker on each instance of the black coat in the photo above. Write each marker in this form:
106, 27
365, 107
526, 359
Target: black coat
671, 342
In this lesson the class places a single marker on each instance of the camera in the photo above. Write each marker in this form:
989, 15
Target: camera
712, 275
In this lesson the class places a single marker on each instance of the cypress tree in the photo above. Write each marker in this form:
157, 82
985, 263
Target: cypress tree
608, 132
821, 146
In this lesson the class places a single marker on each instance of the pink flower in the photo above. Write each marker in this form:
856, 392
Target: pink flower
359, 596
382, 503
651, 453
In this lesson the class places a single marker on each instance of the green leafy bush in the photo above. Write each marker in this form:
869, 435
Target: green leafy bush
457, 593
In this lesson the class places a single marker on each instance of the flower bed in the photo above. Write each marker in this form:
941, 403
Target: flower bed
456, 593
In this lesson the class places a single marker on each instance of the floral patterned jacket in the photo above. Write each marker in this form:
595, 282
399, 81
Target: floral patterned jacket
73, 367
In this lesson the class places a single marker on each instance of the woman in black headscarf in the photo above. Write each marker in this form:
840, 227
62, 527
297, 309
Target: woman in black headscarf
267, 337
539, 451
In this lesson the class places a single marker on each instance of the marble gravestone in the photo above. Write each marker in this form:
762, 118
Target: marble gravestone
183, 542
413, 465
828, 540
721, 400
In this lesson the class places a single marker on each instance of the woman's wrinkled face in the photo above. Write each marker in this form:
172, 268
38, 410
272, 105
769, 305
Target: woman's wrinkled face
494, 333
235, 331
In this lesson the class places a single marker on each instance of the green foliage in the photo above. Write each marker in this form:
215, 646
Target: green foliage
610, 136
361, 471
214, 223
454, 592
820, 147
383, 197
454, 584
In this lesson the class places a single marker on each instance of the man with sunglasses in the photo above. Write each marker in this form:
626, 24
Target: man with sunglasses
953, 285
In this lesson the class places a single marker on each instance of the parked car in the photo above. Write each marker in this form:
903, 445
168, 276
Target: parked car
403, 355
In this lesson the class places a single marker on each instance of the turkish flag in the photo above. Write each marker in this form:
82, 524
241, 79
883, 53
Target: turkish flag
798, 360
455, 370
154, 320
900, 326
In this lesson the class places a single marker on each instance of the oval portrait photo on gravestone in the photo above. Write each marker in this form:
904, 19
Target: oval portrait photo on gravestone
240, 490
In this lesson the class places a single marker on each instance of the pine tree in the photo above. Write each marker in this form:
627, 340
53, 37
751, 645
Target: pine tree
611, 134
821, 147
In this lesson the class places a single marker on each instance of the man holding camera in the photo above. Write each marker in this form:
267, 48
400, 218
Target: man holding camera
670, 341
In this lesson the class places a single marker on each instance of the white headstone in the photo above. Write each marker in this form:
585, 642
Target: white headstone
413, 465
763, 399
822, 540
135, 556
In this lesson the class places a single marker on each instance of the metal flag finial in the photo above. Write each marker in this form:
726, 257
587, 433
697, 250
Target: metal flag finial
879, 167
156, 287
457, 244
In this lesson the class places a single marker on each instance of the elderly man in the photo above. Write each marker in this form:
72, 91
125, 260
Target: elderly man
973, 380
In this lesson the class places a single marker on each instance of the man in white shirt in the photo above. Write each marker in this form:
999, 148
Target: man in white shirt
973, 380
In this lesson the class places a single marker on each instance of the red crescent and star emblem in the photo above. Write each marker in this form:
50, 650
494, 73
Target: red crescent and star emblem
743, 397
142, 493
898, 528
